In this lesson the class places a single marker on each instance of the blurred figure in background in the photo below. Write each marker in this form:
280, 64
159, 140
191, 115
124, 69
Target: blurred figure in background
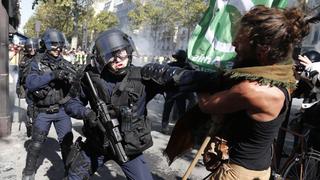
176, 102
31, 47
308, 68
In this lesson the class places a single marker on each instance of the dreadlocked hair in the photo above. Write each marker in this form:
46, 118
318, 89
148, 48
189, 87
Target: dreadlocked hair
276, 29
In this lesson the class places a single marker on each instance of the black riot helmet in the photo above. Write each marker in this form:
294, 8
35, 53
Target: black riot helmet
180, 55
314, 56
52, 37
107, 44
31, 44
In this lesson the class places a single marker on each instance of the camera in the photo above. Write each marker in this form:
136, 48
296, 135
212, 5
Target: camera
300, 67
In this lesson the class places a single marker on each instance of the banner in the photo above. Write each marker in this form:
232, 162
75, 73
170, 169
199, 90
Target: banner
210, 45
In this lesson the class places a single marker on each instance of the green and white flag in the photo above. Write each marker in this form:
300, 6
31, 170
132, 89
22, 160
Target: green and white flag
210, 46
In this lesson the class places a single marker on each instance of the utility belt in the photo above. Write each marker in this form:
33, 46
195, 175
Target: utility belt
49, 109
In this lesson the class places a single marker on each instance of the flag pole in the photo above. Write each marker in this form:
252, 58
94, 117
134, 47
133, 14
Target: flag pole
196, 158
199, 153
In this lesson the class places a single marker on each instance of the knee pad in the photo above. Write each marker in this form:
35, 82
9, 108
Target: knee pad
38, 137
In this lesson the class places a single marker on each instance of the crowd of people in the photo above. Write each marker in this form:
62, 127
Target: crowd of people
110, 95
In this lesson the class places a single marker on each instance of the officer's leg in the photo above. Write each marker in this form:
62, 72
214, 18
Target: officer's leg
168, 104
63, 128
85, 164
137, 169
80, 167
39, 134
181, 107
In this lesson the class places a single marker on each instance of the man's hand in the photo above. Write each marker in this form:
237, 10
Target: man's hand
20, 92
91, 118
60, 74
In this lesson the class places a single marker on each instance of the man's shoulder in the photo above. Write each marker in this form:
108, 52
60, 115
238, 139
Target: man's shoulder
256, 90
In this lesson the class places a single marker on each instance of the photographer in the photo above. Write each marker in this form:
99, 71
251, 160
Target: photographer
308, 69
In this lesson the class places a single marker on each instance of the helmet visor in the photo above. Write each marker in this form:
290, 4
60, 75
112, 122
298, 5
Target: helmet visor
54, 40
107, 44
31, 44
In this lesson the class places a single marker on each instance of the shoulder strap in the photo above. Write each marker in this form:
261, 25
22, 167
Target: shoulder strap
99, 84
287, 96
134, 74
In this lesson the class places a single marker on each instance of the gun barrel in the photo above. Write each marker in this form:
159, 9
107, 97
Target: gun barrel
94, 92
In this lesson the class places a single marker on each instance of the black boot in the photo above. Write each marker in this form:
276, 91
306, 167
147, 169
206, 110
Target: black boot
165, 128
31, 163
65, 147
32, 156
28, 177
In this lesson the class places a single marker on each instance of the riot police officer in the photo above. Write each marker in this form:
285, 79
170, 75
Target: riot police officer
30, 49
127, 90
48, 86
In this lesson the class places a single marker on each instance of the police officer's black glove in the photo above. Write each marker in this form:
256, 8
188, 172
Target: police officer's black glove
91, 118
20, 92
60, 74
161, 74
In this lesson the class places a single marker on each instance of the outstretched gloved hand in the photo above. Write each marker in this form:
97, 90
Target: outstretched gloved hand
60, 74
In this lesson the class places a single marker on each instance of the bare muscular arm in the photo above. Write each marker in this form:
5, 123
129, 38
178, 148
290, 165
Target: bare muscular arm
262, 103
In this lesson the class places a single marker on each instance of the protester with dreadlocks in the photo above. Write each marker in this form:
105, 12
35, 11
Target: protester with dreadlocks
255, 107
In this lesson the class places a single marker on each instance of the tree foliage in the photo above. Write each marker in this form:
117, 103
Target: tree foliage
103, 21
50, 15
169, 13
68, 15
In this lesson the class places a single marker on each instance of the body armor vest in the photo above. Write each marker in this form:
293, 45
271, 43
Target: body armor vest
126, 100
55, 91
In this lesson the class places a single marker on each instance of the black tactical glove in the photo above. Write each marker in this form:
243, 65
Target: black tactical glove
91, 118
161, 73
60, 74
20, 92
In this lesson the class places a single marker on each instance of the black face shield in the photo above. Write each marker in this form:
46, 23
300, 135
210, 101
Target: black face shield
53, 39
108, 43
31, 44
